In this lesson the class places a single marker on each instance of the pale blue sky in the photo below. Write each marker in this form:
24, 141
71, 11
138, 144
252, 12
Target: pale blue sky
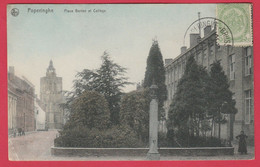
75, 41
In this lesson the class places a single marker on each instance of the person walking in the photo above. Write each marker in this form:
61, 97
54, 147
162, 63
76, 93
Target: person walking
242, 147
15, 132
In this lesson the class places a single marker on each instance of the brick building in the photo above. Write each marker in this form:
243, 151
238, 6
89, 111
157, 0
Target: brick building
20, 103
237, 62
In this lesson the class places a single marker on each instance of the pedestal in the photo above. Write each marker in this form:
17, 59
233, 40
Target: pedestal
153, 156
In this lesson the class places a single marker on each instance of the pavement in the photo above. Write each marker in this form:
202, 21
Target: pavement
33, 146
36, 147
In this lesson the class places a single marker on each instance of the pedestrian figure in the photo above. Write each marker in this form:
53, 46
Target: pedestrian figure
19, 131
242, 148
23, 133
14, 132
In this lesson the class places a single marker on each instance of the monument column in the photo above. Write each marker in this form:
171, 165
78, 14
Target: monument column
153, 153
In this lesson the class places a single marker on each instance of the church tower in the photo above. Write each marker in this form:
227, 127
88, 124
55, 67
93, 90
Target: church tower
51, 96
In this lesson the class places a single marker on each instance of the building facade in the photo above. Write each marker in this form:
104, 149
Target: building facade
51, 96
40, 116
20, 103
237, 63
12, 103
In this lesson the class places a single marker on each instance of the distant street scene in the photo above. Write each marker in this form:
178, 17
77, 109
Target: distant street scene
130, 82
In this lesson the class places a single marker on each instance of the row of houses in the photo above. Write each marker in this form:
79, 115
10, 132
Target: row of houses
27, 112
21, 104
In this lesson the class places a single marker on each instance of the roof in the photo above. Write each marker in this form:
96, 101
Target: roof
189, 49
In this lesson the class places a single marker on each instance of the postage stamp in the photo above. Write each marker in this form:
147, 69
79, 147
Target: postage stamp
238, 17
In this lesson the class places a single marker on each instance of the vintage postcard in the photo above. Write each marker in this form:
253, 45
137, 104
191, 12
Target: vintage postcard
98, 82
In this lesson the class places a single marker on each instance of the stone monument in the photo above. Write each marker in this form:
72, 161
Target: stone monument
153, 153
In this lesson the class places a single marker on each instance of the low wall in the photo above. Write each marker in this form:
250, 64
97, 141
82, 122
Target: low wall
196, 151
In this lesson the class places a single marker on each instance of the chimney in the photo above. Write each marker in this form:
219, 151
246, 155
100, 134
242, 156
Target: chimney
194, 39
207, 30
11, 72
183, 49
168, 61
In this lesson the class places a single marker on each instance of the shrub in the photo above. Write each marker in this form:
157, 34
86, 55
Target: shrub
117, 136
181, 139
162, 140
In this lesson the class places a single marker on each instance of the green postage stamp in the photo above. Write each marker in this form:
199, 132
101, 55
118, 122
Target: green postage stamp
237, 16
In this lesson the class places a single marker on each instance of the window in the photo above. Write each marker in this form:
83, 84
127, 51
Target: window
248, 61
232, 67
204, 60
170, 93
196, 57
168, 96
179, 71
199, 58
54, 87
173, 92
49, 87
211, 50
167, 78
170, 78
175, 86
183, 67
56, 118
172, 72
248, 107
176, 74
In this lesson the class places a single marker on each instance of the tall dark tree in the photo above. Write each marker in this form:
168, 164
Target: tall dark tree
221, 101
111, 80
189, 105
155, 72
108, 80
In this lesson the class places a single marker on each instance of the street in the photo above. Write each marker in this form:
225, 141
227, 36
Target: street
36, 146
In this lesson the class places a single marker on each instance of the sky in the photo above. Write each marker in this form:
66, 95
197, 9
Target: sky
76, 41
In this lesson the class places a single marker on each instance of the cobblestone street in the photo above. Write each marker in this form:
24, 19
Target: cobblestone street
36, 146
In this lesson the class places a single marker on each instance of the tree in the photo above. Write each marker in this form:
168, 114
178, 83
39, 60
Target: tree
189, 105
135, 113
111, 80
108, 80
89, 110
155, 72
221, 101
